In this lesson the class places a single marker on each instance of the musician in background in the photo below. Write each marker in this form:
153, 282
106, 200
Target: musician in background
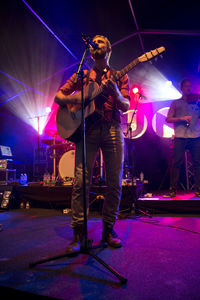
102, 131
184, 113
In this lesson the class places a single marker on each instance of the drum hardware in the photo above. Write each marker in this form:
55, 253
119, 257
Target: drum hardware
51, 142
58, 145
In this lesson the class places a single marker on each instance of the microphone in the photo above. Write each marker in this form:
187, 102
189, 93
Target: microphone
142, 96
88, 41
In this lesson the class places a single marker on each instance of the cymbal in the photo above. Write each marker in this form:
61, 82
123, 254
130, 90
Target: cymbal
51, 142
64, 145
52, 132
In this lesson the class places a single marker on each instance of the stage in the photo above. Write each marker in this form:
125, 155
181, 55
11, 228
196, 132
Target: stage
159, 257
155, 257
134, 198
39, 196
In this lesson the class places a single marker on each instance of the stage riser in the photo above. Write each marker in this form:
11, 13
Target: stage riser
170, 206
60, 196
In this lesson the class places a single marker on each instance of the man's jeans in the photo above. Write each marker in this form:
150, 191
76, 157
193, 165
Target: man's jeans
108, 136
180, 145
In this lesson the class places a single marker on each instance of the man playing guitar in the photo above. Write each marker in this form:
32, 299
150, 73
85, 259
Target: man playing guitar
102, 131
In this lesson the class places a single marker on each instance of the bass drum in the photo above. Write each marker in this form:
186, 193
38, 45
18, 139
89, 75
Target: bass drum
66, 167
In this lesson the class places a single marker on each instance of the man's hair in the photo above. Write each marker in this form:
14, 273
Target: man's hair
184, 81
105, 38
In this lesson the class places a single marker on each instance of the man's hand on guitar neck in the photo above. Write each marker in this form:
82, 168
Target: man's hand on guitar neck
110, 88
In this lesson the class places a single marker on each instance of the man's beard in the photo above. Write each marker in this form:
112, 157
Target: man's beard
98, 53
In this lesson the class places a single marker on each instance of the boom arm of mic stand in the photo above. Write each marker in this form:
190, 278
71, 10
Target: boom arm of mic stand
78, 73
133, 114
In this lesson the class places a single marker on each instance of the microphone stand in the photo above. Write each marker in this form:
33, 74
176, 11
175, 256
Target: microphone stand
129, 129
86, 245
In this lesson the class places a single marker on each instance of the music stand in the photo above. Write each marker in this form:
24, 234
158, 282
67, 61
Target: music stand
86, 245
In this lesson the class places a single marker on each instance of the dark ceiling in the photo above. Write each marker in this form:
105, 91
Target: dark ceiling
41, 40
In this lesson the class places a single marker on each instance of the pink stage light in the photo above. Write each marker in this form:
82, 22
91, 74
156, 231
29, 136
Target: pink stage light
135, 90
48, 109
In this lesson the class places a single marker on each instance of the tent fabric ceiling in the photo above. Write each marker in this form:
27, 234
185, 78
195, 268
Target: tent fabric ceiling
33, 57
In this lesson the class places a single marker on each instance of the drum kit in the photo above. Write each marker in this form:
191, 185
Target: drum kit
62, 154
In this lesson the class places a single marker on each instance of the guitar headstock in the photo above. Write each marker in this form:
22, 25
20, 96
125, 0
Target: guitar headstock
151, 54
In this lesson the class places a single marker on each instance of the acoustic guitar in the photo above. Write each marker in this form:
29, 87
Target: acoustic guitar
68, 119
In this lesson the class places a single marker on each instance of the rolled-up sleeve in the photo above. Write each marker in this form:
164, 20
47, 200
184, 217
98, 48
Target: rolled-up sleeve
172, 111
124, 87
69, 87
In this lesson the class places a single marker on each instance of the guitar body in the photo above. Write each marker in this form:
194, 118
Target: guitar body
68, 117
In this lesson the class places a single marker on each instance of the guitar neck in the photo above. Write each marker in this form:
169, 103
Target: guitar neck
126, 69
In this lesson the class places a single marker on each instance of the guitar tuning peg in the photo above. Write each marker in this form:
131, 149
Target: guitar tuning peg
161, 56
156, 58
150, 62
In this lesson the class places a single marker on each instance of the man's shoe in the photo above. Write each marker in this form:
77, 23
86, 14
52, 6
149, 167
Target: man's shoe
110, 237
197, 193
74, 246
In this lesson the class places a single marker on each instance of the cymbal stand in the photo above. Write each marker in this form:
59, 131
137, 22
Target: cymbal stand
38, 140
54, 157
86, 246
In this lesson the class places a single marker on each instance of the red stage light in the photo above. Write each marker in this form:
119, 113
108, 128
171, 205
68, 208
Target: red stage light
135, 90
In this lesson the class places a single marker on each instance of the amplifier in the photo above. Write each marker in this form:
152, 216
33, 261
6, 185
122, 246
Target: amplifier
7, 176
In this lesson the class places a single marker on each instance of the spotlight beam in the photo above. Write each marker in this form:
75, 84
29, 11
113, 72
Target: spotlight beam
49, 29
11, 98
13, 78
18, 94
136, 24
21, 83
58, 72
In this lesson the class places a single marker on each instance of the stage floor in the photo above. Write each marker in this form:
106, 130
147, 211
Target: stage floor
160, 257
